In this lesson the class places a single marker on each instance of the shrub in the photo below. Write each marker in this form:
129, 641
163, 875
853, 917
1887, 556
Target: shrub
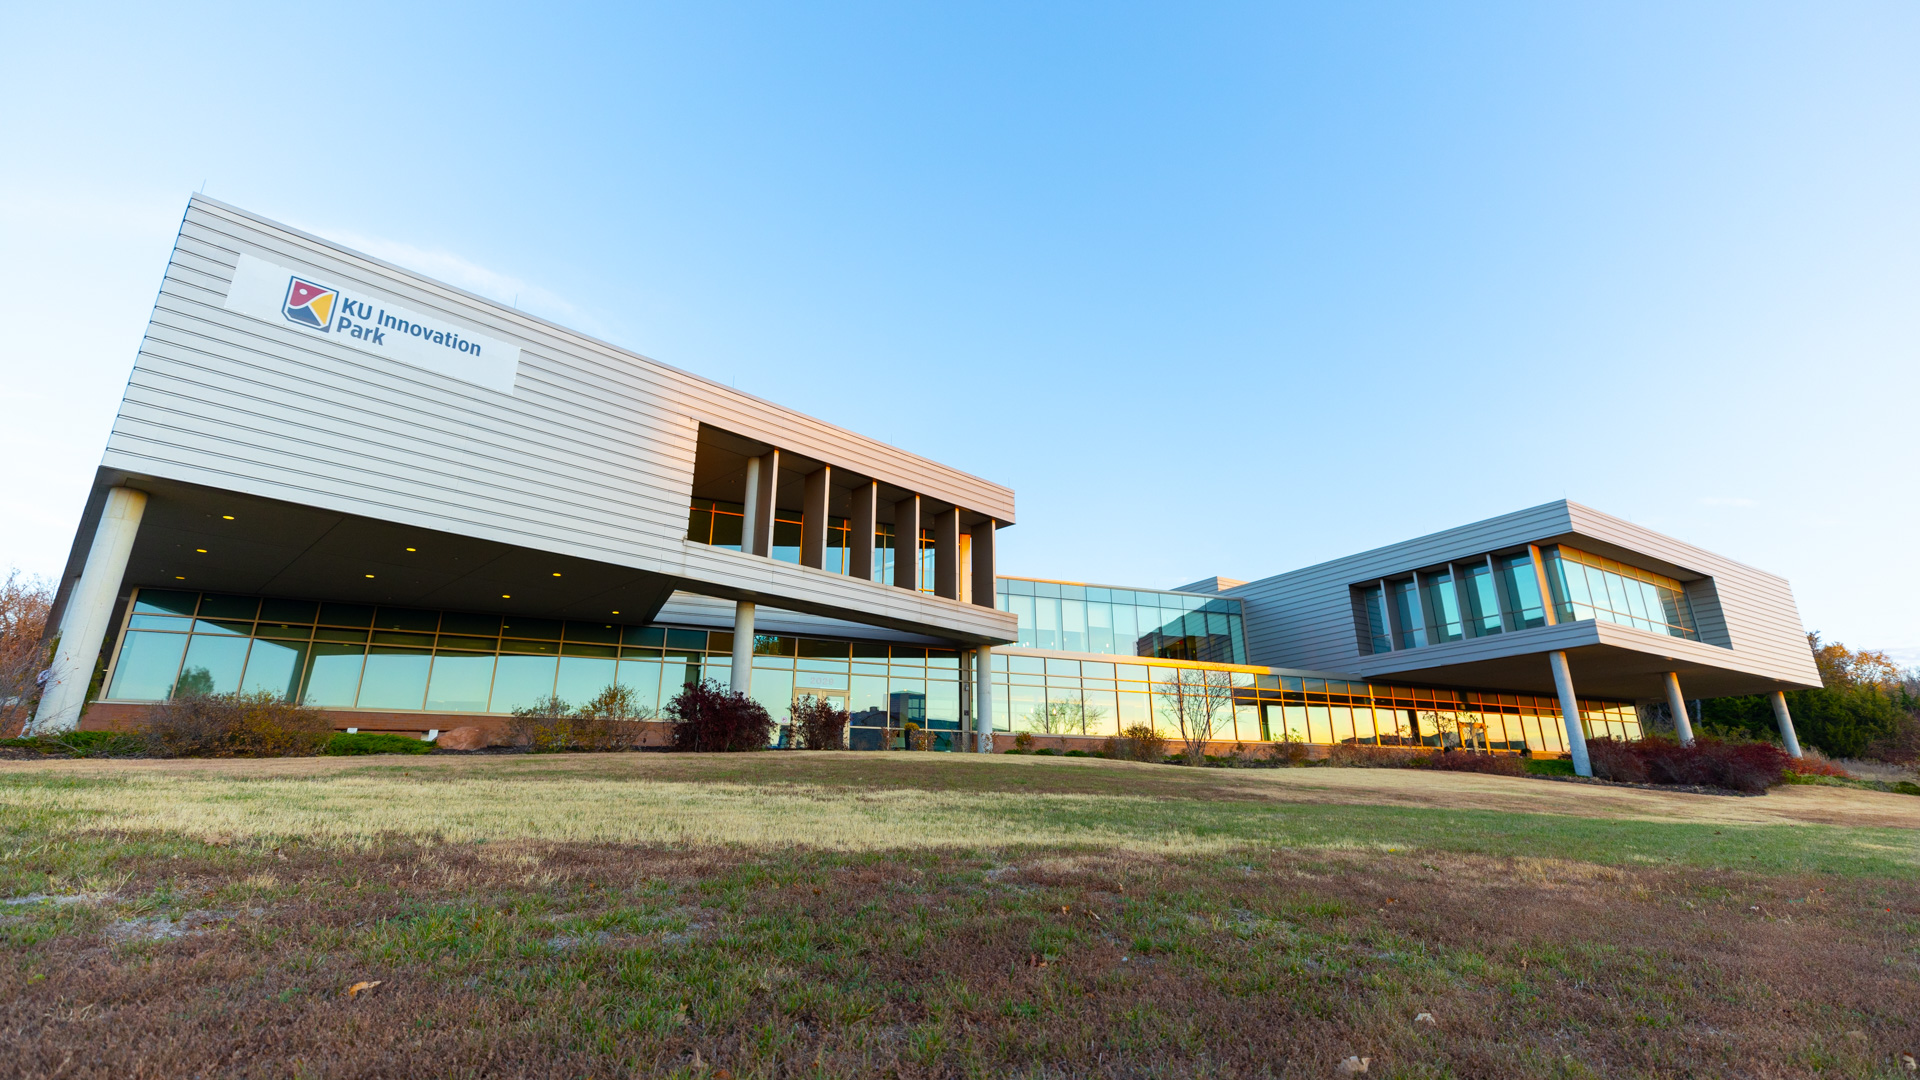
1360, 756
1901, 745
1137, 743
1737, 766
819, 724
234, 725
375, 742
1288, 752
81, 744
1550, 767
1464, 761
712, 719
1815, 763
1023, 742
611, 721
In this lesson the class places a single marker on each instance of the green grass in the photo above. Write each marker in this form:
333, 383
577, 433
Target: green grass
1179, 924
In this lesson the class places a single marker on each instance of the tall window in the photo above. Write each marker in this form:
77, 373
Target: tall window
1483, 605
1521, 587
1405, 598
1373, 606
1442, 607
1588, 586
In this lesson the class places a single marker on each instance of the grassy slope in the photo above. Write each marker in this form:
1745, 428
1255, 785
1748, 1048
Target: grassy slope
852, 914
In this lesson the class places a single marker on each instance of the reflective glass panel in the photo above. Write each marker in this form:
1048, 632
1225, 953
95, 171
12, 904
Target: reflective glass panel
212, 666
461, 682
275, 667
147, 666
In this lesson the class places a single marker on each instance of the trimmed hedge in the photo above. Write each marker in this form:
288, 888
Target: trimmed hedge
373, 742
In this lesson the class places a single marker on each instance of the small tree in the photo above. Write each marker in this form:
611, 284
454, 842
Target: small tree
711, 718
819, 724
1195, 700
24, 604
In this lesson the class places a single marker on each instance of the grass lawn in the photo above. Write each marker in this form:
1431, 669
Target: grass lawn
933, 915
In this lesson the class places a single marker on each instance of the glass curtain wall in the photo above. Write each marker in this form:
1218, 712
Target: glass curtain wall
723, 524
1588, 586
350, 656
1126, 622
1055, 696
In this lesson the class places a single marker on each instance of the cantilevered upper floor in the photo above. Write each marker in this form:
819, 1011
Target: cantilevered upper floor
307, 420
1478, 606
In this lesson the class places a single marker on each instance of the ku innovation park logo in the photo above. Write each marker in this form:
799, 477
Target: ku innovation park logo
309, 304
370, 323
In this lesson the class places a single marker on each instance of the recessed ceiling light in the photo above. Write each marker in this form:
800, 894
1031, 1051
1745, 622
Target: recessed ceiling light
202, 551
228, 517
616, 613
556, 573
369, 575
506, 596
409, 549
177, 577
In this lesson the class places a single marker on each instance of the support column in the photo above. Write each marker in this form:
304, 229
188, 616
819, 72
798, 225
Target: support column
1682, 723
906, 543
1785, 719
946, 553
765, 492
863, 521
83, 628
1570, 712
743, 647
750, 506
983, 699
983, 569
813, 518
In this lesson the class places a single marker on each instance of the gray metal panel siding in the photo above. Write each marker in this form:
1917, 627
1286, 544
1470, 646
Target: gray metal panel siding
1305, 618
592, 455
1756, 609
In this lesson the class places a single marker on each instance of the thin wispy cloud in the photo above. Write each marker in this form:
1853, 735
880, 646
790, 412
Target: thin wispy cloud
464, 273
1727, 500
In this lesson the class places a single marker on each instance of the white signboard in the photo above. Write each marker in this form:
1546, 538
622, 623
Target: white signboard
370, 323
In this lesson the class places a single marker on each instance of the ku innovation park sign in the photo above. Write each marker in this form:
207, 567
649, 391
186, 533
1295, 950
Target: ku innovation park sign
365, 321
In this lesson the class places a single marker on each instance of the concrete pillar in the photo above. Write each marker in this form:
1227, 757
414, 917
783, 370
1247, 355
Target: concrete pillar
750, 506
946, 553
1570, 712
982, 567
765, 493
743, 647
906, 543
863, 518
983, 699
1682, 723
83, 628
1785, 719
813, 518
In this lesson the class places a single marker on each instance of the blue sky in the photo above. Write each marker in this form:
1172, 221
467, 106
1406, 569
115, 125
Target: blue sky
1216, 289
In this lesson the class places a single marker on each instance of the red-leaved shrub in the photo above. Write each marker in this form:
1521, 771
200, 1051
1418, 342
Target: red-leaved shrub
712, 719
1462, 761
1749, 767
1815, 763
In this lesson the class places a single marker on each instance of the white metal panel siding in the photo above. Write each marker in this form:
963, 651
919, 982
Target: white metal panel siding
1306, 619
592, 455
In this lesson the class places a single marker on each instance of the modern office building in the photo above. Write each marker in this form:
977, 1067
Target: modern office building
349, 485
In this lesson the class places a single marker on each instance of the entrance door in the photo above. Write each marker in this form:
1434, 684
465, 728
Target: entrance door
837, 698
